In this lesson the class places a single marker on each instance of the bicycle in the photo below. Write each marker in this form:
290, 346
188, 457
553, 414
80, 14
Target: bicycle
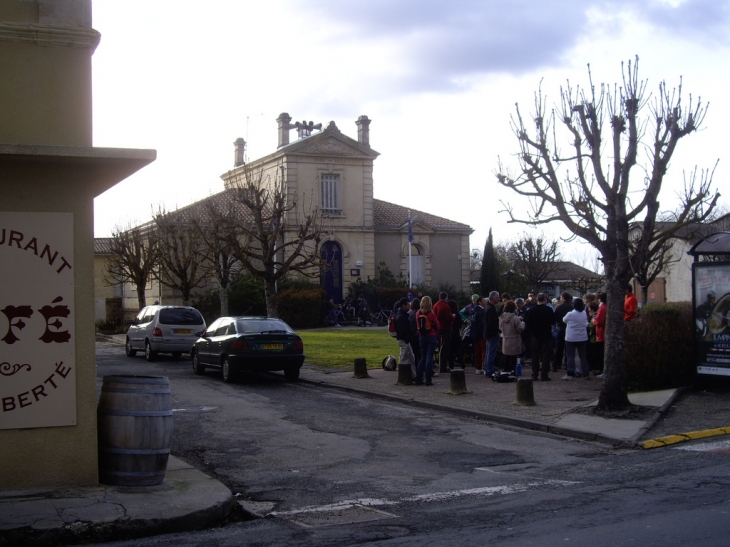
341, 319
381, 318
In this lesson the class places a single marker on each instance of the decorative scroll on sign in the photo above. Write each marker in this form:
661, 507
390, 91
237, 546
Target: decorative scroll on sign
37, 359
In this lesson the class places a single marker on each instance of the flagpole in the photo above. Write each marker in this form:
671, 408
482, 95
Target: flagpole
410, 262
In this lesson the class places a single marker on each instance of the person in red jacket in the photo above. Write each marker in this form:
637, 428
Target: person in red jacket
428, 326
599, 320
631, 305
446, 319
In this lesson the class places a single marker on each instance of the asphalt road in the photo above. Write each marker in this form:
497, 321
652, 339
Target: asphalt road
340, 469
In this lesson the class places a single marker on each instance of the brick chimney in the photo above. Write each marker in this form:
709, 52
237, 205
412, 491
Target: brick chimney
363, 130
284, 127
240, 151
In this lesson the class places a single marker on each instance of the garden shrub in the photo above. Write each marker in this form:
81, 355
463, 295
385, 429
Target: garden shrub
302, 308
659, 347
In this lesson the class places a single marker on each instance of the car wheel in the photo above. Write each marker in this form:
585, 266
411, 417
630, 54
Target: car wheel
228, 374
198, 367
149, 355
291, 374
176, 355
128, 349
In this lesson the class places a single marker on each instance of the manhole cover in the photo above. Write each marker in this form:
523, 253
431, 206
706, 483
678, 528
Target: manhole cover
351, 514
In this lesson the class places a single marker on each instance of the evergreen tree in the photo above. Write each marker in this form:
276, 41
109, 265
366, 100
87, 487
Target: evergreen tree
489, 278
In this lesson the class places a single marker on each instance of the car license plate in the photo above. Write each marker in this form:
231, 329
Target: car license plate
272, 346
182, 331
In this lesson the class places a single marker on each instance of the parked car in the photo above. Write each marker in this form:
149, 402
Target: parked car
164, 329
249, 344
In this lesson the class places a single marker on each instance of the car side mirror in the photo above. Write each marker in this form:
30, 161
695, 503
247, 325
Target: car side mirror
129, 322
200, 333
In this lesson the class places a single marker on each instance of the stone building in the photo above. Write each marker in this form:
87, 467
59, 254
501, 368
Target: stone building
328, 169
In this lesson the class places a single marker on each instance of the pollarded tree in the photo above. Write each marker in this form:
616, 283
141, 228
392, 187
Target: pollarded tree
183, 264
535, 258
268, 243
218, 227
134, 256
601, 186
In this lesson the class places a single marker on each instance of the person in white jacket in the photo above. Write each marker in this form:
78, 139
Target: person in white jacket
576, 339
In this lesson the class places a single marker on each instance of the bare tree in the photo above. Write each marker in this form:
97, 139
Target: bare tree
535, 258
277, 236
593, 198
183, 266
219, 227
134, 257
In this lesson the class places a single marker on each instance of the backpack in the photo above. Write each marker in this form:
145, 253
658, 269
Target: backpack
503, 377
391, 326
424, 325
389, 363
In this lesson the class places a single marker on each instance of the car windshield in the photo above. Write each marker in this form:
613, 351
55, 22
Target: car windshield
263, 326
180, 316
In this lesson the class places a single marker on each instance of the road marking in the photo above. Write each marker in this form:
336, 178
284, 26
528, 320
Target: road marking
434, 496
684, 437
719, 447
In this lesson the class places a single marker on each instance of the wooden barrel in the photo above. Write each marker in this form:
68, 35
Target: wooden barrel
134, 419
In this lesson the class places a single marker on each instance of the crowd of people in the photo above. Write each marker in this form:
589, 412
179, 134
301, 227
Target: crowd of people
546, 336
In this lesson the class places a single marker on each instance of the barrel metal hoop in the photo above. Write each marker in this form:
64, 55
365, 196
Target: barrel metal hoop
134, 390
135, 451
116, 412
133, 474
159, 380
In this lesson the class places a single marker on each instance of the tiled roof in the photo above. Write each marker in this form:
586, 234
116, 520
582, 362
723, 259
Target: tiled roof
568, 271
389, 215
102, 245
223, 202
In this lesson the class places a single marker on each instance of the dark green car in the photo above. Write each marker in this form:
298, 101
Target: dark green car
248, 344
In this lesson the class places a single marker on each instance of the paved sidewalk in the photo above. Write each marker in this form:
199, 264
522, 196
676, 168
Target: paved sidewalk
186, 500
561, 407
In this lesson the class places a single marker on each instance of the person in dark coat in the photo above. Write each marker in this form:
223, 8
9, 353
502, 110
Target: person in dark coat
477, 335
539, 321
565, 306
415, 305
457, 352
403, 335
491, 333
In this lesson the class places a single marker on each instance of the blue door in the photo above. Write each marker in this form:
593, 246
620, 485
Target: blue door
331, 278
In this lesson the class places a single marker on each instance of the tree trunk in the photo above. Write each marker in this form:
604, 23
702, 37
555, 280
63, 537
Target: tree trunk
613, 395
272, 310
141, 299
224, 301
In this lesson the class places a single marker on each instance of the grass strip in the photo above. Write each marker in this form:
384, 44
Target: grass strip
336, 349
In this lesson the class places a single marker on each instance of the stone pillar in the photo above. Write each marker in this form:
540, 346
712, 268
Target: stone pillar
363, 130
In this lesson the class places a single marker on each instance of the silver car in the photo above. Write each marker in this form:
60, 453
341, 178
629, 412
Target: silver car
164, 329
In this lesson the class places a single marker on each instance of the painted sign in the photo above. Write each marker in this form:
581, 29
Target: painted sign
711, 294
37, 358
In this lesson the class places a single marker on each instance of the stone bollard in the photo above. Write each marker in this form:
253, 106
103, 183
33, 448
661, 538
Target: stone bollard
525, 395
361, 368
458, 383
405, 375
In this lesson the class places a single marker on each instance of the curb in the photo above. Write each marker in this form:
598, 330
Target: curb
658, 415
484, 416
684, 437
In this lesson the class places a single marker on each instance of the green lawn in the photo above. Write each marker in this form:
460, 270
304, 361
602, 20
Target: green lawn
335, 348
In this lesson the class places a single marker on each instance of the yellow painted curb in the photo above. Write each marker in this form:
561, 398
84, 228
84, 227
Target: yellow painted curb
683, 437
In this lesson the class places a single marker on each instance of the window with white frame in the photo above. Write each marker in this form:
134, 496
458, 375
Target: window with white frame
331, 194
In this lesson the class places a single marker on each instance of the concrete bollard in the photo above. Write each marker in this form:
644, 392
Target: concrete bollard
525, 395
457, 383
405, 375
361, 368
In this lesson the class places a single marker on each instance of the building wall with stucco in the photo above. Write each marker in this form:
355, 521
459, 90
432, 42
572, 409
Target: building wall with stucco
48, 165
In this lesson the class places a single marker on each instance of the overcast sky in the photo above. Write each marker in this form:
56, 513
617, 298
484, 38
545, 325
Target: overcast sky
439, 79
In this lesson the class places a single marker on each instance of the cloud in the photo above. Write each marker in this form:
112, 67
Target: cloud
437, 46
